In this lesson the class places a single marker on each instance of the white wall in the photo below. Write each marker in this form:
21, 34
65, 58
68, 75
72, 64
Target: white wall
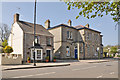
16, 39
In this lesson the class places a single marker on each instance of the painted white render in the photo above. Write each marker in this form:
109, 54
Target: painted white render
16, 39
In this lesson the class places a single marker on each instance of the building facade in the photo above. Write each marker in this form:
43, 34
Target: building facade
22, 40
78, 42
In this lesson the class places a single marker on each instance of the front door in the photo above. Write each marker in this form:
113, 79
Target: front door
48, 54
75, 53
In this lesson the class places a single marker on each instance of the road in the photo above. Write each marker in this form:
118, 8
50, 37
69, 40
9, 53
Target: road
75, 70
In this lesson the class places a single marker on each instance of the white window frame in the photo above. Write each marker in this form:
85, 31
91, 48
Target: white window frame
36, 54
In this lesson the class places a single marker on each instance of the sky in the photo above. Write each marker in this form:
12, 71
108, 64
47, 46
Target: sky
57, 13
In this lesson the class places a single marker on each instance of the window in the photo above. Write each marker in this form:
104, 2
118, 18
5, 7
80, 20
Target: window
38, 54
88, 49
48, 41
81, 49
69, 34
67, 51
36, 39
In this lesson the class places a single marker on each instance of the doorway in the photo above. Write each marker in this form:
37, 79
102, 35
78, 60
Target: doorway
48, 54
75, 52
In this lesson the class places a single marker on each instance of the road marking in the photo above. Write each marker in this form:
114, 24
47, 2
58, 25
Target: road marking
84, 68
112, 72
99, 76
34, 75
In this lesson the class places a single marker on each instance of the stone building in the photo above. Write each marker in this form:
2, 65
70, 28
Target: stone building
22, 40
76, 42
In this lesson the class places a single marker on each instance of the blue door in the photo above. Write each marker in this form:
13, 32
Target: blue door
75, 53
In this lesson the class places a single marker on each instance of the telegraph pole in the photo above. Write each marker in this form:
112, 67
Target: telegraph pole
34, 31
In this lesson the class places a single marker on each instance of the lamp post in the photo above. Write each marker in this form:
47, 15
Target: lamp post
34, 31
98, 53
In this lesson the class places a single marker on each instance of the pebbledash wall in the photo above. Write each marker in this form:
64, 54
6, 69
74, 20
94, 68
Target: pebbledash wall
11, 59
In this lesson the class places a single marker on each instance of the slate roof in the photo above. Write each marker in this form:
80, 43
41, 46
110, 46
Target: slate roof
64, 25
79, 27
29, 27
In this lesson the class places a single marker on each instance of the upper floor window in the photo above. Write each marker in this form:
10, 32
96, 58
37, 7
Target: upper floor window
48, 41
69, 34
36, 39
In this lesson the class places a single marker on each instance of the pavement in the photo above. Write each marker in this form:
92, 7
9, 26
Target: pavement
30, 65
51, 64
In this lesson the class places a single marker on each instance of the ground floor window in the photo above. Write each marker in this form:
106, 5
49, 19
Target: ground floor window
38, 54
68, 51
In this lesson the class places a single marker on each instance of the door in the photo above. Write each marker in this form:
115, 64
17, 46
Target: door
48, 54
75, 53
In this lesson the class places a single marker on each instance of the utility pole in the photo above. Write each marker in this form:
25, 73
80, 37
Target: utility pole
118, 9
34, 31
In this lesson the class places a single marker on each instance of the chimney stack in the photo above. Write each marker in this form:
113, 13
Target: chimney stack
87, 25
69, 22
16, 17
47, 24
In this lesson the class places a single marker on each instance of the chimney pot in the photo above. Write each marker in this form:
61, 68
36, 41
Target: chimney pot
47, 24
16, 17
69, 22
87, 25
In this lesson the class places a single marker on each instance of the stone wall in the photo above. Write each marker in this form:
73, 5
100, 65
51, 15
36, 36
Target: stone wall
11, 59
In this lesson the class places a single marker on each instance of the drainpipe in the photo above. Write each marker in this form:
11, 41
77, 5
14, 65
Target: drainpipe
78, 51
83, 50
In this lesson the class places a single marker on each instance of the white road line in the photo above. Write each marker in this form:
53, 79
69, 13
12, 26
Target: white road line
99, 76
84, 68
112, 72
34, 75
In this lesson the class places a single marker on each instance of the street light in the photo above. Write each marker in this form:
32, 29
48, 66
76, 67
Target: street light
34, 31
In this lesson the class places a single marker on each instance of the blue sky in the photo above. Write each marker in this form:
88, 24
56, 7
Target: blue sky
57, 13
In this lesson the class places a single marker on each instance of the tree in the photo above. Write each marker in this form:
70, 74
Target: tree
4, 43
113, 49
4, 32
8, 49
106, 48
94, 9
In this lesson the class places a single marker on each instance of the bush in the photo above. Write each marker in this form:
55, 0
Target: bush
54, 57
4, 44
47, 58
8, 49
1, 50
118, 55
28, 59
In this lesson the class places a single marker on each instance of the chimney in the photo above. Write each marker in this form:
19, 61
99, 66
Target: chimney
87, 25
47, 24
69, 22
16, 17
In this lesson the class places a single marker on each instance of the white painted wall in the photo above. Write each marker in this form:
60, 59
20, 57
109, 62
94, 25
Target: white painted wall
16, 39
0, 58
